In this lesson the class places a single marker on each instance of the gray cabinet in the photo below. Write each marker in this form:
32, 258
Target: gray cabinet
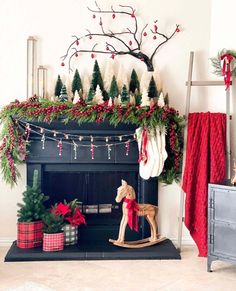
221, 224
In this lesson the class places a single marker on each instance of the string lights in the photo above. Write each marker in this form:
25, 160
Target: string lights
76, 141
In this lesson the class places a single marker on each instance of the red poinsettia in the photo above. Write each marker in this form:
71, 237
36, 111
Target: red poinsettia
76, 219
61, 209
70, 211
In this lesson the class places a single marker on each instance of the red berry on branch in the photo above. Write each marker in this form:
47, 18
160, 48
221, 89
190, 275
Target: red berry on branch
144, 34
133, 15
92, 56
142, 59
100, 23
62, 64
94, 16
113, 56
90, 37
107, 48
77, 42
113, 16
76, 55
155, 28
130, 42
177, 29
154, 37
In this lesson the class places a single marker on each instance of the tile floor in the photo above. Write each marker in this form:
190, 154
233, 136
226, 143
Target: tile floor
188, 274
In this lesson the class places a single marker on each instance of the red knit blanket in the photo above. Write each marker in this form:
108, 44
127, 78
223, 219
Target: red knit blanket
205, 163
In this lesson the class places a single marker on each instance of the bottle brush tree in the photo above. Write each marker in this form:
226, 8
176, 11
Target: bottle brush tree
32, 208
76, 83
58, 86
63, 97
134, 82
124, 94
152, 89
114, 91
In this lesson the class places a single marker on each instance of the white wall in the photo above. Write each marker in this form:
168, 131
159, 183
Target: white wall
53, 22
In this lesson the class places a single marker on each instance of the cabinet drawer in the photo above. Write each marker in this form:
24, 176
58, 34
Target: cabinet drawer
224, 204
224, 239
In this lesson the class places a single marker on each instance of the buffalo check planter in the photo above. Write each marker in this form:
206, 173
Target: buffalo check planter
53, 242
70, 234
29, 234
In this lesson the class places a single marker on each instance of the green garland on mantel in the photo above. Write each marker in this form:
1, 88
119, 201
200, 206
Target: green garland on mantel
13, 145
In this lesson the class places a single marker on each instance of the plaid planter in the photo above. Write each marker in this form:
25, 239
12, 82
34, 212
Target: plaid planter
53, 242
70, 234
29, 234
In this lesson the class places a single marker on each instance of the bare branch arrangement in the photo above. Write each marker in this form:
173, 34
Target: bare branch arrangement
132, 47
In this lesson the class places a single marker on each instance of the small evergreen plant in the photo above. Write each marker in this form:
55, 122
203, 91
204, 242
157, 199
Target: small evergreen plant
32, 208
53, 223
77, 83
58, 86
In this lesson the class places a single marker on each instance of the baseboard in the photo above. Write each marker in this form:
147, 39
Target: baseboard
6, 242
186, 241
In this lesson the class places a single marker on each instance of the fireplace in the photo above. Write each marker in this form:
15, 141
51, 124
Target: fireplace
92, 181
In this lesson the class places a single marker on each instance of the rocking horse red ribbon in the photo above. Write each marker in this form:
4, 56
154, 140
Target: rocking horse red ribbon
133, 210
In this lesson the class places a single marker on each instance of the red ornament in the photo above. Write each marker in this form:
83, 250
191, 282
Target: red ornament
177, 29
113, 16
144, 34
77, 42
154, 37
94, 16
62, 64
130, 42
92, 56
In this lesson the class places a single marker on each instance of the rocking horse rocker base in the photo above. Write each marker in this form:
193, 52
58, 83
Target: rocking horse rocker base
131, 210
137, 244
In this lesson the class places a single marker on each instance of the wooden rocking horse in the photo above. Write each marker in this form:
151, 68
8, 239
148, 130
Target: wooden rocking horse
131, 210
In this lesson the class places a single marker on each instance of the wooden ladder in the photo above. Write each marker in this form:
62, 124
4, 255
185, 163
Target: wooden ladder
189, 85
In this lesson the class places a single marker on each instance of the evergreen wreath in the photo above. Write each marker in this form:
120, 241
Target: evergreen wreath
13, 148
217, 62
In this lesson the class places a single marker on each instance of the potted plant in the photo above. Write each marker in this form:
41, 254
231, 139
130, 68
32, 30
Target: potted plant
29, 226
53, 235
72, 218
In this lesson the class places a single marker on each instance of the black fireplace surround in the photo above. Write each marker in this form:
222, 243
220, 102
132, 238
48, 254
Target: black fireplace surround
94, 182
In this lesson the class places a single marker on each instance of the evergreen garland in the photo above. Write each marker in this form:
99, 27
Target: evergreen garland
12, 148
